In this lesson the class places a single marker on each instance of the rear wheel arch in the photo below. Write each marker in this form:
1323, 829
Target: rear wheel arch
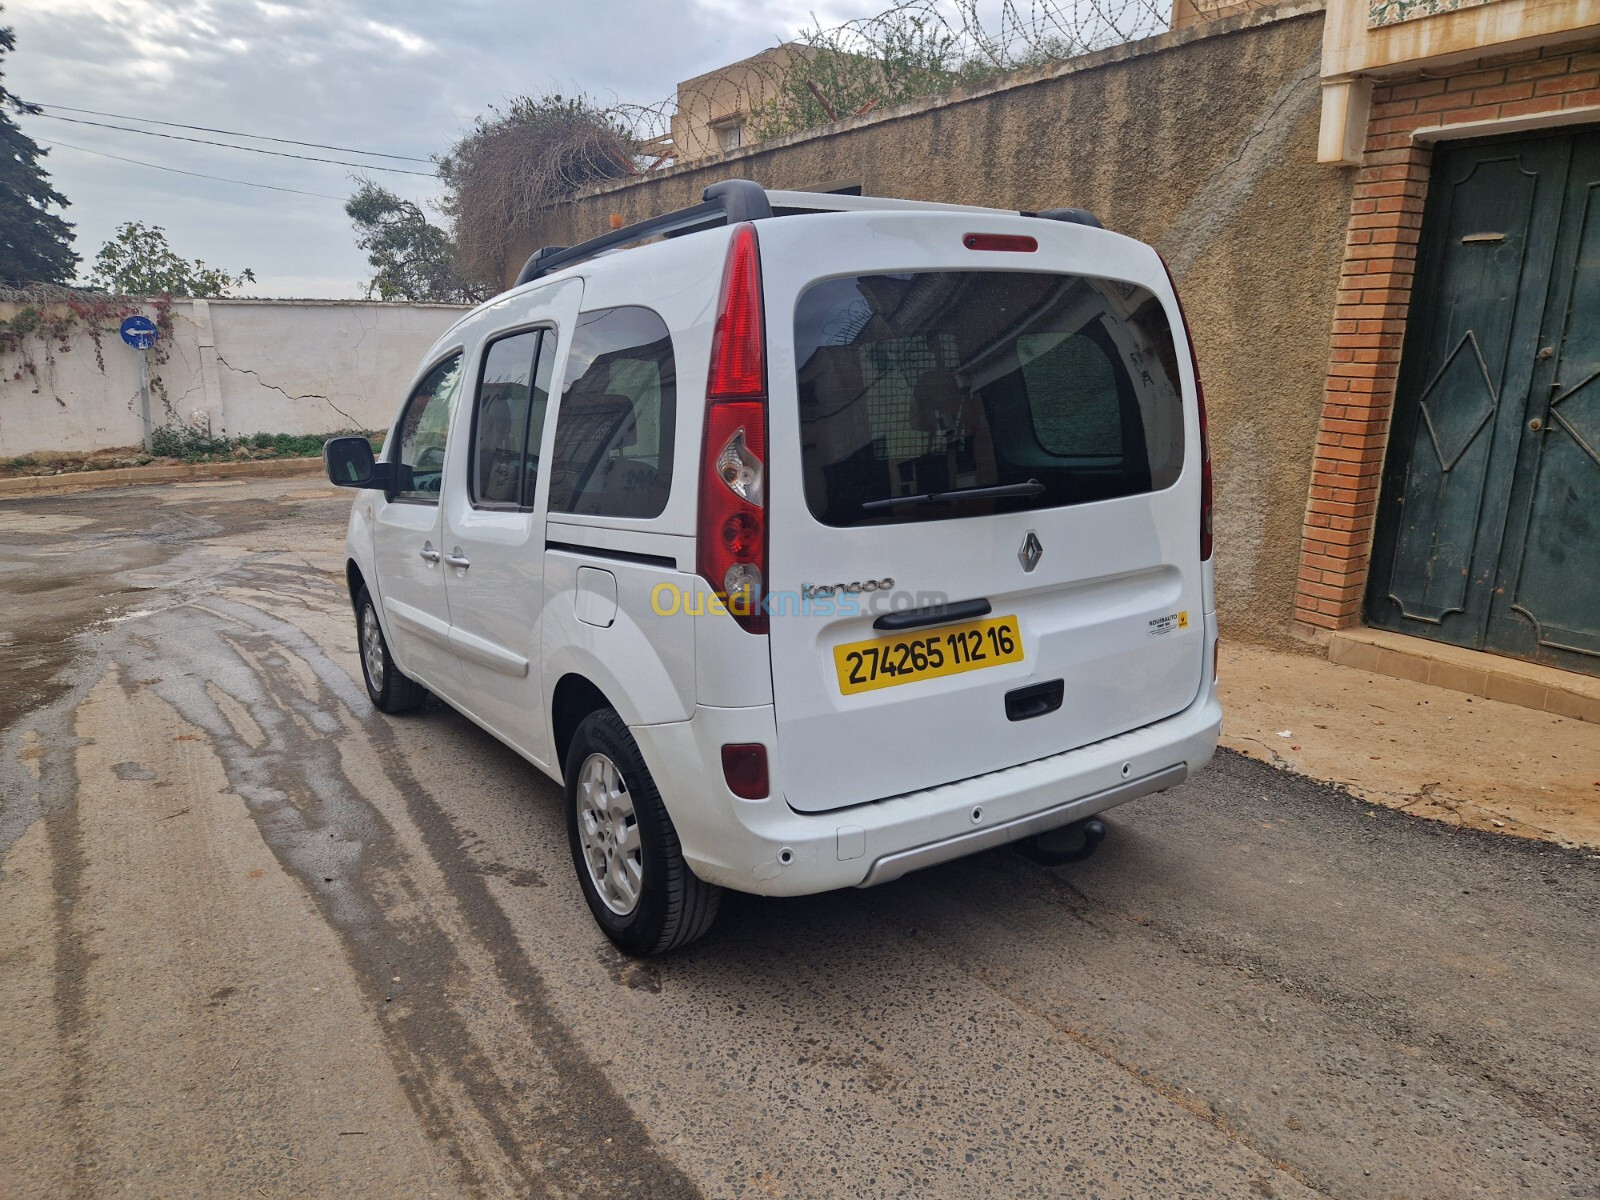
574, 698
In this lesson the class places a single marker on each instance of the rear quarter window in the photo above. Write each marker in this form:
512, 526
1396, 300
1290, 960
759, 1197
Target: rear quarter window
925, 384
614, 428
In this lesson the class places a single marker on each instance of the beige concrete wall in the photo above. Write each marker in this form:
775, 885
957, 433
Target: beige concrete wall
242, 366
1202, 142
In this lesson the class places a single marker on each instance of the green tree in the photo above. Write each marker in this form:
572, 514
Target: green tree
138, 262
414, 259
35, 243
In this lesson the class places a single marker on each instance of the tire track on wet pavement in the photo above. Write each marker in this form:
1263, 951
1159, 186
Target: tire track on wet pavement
525, 1114
579, 1138
1258, 987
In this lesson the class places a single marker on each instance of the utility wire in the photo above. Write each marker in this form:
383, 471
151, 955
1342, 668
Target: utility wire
271, 187
176, 137
262, 137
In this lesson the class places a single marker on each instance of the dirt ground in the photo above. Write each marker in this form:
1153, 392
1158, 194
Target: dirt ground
260, 940
1424, 750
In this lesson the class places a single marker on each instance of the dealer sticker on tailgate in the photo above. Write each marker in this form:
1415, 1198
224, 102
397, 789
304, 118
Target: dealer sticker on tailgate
926, 654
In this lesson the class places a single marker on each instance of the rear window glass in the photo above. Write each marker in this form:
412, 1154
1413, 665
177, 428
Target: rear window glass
613, 442
1058, 389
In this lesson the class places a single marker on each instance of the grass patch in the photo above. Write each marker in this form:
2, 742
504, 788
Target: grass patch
176, 444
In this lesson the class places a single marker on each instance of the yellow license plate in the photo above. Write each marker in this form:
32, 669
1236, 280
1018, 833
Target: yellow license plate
926, 654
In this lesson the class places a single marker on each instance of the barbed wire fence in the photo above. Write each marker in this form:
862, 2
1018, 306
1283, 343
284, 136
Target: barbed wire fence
912, 50
522, 161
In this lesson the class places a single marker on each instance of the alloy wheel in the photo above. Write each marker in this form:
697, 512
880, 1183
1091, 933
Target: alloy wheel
608, 831
372, 656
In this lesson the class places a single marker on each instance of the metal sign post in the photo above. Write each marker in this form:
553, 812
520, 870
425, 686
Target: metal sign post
144, 402
140, 333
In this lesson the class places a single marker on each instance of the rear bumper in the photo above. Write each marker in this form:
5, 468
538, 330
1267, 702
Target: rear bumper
903, 862
765, 847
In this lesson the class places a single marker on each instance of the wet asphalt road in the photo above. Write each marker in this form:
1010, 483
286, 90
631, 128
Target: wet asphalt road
259, 940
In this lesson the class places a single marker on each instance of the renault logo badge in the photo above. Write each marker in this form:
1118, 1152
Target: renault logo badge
1031, 551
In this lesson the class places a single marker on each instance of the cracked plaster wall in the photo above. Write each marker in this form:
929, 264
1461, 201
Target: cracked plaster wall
241, 366
1202, 142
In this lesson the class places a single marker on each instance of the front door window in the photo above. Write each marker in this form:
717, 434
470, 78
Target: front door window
423, 431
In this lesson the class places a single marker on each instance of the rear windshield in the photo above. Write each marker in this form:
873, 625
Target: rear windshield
1057, 389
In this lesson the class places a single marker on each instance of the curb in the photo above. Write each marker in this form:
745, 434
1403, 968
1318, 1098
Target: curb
1512, 681
74, 481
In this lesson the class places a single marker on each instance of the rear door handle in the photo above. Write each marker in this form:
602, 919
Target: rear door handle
456, 559
1025, 703
933, 614
429, 554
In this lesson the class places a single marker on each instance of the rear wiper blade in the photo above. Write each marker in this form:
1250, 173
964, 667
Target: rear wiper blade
1031, 488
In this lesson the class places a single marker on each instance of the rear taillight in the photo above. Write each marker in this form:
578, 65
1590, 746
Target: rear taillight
732, 531
1205, 462
1205, 436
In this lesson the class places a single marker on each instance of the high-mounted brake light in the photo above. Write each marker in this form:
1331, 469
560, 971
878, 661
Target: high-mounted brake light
732, 531
1205, 435
1000, 241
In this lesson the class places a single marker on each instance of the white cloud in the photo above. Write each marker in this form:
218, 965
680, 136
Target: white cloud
405, 77
407, 42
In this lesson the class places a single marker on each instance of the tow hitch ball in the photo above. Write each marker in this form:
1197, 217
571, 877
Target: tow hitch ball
1071, 843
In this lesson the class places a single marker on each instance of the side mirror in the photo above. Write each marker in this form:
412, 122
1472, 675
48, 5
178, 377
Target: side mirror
349, 463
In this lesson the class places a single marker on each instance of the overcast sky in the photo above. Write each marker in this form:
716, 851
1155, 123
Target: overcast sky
404, 77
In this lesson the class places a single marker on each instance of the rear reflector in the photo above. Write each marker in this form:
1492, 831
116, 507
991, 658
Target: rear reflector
1000, 241
744, 766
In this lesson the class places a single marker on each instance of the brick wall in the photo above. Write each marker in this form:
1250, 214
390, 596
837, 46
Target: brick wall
1375, 293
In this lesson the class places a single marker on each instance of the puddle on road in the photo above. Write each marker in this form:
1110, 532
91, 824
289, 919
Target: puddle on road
330, 795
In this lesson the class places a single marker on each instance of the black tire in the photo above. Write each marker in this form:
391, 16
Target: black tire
393, 692
670, 907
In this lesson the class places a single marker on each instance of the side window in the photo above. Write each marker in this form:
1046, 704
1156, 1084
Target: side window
502, 470
536, 412
614, 429
424, 429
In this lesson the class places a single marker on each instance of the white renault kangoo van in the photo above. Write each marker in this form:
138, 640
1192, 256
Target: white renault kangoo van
807, 540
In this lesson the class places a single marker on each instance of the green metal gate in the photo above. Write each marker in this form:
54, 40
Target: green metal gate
1489, 519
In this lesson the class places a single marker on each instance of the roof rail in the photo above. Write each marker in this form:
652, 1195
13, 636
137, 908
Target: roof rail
532, 267
726, 203
733, 201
